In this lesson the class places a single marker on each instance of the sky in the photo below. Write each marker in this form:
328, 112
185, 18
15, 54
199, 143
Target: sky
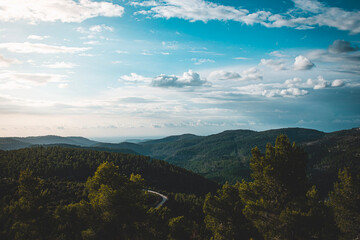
118, 69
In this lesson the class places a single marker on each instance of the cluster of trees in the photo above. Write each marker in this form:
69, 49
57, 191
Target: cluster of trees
279, 203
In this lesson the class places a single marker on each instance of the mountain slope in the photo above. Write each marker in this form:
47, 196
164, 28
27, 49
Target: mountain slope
51, 139
72, 164
225, 156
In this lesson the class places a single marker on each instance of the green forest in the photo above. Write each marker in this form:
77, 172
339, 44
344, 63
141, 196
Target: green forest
68, 193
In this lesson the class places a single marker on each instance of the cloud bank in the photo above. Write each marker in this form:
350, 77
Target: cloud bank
308, 14
56, 10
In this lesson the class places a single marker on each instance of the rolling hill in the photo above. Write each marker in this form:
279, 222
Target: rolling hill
225, 156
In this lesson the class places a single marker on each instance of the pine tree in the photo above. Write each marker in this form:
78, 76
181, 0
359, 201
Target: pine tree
224, 217
279, 201
345, 201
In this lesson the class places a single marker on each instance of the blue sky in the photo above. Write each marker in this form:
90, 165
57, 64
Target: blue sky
117, 69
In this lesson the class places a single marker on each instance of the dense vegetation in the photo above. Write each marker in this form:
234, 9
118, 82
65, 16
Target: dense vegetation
66, 193
225, 156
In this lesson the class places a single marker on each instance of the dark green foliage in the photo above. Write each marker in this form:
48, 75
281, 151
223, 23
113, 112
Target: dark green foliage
345, 201
224, 217
180, 228
68, 193
111, 204
278, 201
28, 216
78, 164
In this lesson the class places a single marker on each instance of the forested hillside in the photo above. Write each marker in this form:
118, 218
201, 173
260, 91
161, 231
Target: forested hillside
78, 164
67, 193
225, 156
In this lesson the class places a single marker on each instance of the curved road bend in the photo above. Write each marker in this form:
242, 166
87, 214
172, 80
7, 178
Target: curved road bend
164, 198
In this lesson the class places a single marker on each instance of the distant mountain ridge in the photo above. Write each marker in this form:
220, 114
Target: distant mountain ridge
223, 156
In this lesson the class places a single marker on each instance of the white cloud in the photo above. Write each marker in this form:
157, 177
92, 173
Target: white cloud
60, 65
309, 5
56, 10
134, 78
302, 63
277, 65
287, 92
251, 74
294, 82
37, 37
100, 28
202, 60
337, 83
271, 90
309, 13
321, 84
277, 54
93, 30
27, 47
224, 75
7, 62
188, 79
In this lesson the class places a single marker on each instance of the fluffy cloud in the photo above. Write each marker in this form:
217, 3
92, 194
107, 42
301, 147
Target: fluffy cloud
224, 75
193, 10
309, 13
251, 74
294, 87
319, 84
27, 47
277, 65
337, 83
7, 62
341, 46
287, 92
188, 79
294, 82
271, 90
56, 10
302, 63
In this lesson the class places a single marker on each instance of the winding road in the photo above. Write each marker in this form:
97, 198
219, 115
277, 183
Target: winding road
164, 198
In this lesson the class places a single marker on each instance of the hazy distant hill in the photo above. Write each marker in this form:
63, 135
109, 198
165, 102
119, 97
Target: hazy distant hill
80, 141
12, 143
